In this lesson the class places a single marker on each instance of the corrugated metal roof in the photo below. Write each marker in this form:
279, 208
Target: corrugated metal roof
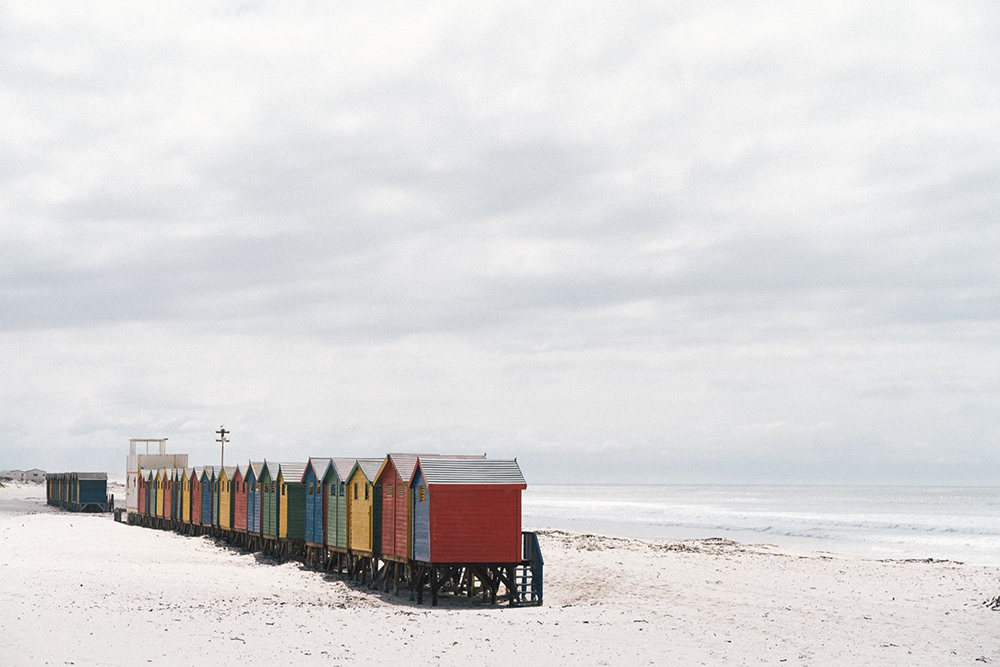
230, 471
369, 467
319, 466
405, 464
343, 467
91, 475
290, 472
470, 471
258, 467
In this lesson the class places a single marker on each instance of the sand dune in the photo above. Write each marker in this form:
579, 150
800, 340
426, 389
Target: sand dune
84, 590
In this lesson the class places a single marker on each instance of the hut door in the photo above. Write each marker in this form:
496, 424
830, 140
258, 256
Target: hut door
376, 520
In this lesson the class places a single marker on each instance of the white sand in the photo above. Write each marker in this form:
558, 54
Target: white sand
84, 590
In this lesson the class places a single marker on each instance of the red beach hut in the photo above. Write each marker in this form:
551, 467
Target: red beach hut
466, 510
393, 481
168, 492
196, 496
239, 501
141, 504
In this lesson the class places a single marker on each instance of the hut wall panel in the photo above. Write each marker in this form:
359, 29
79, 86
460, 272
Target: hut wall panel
421, 519
359, 520
93, 490
336, 516
282, 509
342, 519
225, 503
215, 503
167, 499
394, 519
240, 505
397, 506
186, 499
314, 507
258, 510
253, 504
475, 523
269, 520
162, 499
191, 496
388, 518
206, 501
292, 524
253, 501
196, 501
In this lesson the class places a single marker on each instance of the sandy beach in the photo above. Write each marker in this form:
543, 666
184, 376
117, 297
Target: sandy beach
83, 590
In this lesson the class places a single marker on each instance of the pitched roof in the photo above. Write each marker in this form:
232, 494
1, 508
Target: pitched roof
343, 467
405, 464
369, 467
230, 471
319, 466
290, 472
470, 471
208, 470
258, 467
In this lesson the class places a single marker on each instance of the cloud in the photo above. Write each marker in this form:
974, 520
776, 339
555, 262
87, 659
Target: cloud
709, 241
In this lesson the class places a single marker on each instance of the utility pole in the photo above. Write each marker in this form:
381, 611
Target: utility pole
222, 439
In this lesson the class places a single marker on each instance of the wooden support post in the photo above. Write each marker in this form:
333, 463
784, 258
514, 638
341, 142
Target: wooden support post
420, 585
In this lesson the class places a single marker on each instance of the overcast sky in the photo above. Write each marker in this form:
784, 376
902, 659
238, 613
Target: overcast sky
622, 241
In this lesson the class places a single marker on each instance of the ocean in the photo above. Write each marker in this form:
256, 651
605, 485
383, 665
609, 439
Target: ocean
899, 522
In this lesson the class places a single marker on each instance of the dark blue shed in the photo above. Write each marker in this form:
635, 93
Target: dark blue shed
253, 496
93, 487
312, 479
207, 479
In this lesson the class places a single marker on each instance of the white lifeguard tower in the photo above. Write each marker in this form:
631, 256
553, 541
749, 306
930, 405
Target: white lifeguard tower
147, 461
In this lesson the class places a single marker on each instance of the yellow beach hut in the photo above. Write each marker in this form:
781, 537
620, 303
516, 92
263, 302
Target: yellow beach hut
186, 496
161, 481
226, 497
360, 505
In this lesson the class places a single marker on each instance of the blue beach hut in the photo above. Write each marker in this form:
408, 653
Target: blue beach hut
312, 479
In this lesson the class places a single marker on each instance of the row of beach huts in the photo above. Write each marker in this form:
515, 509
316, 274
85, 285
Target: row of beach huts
447, 523
79, 491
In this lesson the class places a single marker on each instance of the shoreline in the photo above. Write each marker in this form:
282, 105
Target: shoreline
127, 595
800, 544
